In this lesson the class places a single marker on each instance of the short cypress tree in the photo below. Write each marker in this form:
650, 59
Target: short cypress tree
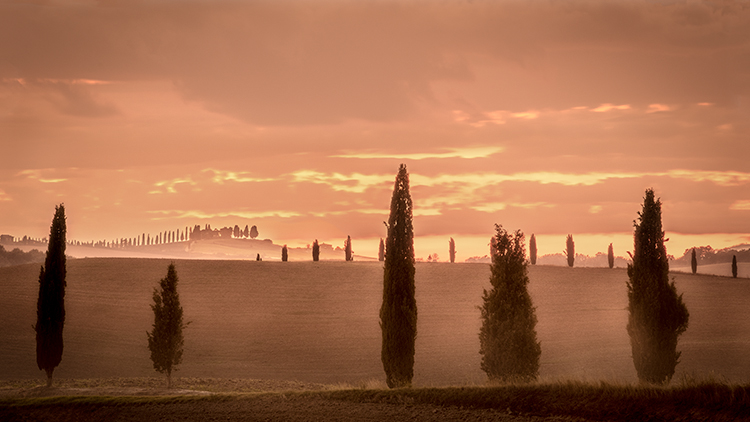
284, 254
316, 250
398, 313
694, 262
50, 307
452, 250
657, 316
165, 339
532, 249
348, 249
570, 250
507, 338
381, 251
611, 256
734, 266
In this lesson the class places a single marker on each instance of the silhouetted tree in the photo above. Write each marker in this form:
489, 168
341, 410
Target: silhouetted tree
284, 254
611, 256
348, 248
316, 250
398, 313
694, 262
165, 339
452, 250
50, 306
236, 232
253, 232
246, 232
570, 250
257, 257
532, 249
507, 338
657, 315
734, 266
381, 251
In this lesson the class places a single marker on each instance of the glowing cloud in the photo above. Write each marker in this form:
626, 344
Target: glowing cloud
609, 107
37, 175
741, 205
171, 184
653, 108
207, 215
721, 178
467, 153
221, 176
355, 182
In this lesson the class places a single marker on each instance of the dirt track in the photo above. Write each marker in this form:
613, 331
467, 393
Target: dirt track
275, 407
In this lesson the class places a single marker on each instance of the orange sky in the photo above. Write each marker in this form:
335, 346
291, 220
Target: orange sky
551, 117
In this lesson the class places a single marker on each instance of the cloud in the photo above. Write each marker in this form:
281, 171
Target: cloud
4, 196
37, 174
221, 176
355, 182
740, 205
202, 215
466, 153
609, 107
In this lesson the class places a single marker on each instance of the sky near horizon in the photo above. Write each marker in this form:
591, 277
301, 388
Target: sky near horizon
552, 117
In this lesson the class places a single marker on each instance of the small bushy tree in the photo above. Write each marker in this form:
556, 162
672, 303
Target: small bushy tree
315, 250
532, 249
694, 262
734, 266
508, 344
611, 256
165, 339
381, 251
253, 232
398, 313
50, 306
656, 314
452, 250
284, 254
570, 250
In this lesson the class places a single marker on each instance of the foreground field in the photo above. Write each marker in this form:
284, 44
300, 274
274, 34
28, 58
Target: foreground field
533, 402
318, 322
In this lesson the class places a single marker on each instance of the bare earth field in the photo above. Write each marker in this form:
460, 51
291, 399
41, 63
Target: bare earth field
305, 326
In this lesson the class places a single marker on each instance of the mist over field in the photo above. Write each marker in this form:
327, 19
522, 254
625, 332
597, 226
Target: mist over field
318, 321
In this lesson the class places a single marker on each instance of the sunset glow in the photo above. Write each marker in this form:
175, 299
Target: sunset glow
552, 118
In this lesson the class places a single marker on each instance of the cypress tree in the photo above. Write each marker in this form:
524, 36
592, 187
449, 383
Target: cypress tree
50, 307
570, 250
348, 248
734, 266
165, 340
284, 254
694, 262
452, 250
316, 251
611, 256
532, 249
398, 313
381, 251
253, 232
507, 338
656, 314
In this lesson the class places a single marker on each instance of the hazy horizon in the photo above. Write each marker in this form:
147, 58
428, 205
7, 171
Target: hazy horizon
293, 116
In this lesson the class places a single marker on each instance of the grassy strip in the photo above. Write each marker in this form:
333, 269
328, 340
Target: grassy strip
708, 401
601, 402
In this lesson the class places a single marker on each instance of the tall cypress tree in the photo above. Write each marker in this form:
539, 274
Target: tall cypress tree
507, 338
570, 250
610, 256
348, 249
656, 314
693, 262
50, 307
452, 250
284, 254
398, 313
165, 340
734, 266
381, 251
316, 250
532, 249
